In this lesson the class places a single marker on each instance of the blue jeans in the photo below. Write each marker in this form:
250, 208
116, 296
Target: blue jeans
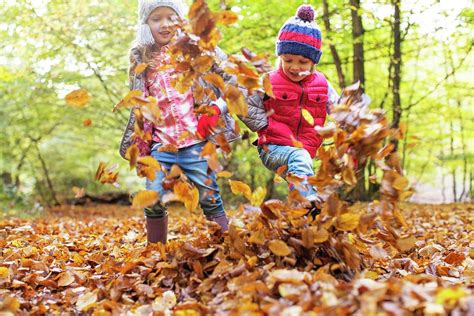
195, 168
298, 162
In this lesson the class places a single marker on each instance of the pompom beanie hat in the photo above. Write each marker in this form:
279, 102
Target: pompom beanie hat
145, 8
300, 35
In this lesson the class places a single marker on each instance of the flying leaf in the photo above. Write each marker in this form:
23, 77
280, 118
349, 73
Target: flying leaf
238, 187
132, 155
140, 68
401, 183
78, 98
307, 117
87, 123
226, 17
145, 199
267, 86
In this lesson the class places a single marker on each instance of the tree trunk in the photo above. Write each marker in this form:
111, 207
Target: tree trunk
332, 47
46, 174
397, 68
360, 190
358, 43
453, 169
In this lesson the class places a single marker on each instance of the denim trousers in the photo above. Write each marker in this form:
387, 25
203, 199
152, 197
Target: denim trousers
195, 168
298, 162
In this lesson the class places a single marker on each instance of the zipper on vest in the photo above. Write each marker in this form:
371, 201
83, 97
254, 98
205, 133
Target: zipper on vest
301, 109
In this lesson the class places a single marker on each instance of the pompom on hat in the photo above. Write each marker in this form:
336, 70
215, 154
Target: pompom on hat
145, 8
300, 35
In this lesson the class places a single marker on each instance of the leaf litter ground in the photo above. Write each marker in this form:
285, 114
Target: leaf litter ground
95, 260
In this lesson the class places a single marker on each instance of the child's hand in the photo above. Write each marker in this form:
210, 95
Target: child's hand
207, 122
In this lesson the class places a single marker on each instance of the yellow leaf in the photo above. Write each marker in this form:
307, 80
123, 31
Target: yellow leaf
257, 238
145, 199
192, 201
238, 187
149, 161
140, 68
86, 301
320, 235
279, 248
224, 174
78, 98
4, 272
307, 117
449, 297
401, 183
347, 221
258, 196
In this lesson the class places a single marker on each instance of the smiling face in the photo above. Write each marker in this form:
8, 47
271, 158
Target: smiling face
296, 67
162, 22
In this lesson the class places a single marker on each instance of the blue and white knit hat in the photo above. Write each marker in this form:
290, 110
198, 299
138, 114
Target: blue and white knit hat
145, 8
300, 35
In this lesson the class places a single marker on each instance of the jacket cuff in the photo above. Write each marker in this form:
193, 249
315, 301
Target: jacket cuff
221, 104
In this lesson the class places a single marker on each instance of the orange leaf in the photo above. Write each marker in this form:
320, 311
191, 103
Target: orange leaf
267, 86
145, 199
454, 258
87, 123
78, 98
279, 248
226, 17
215, 80
132, 155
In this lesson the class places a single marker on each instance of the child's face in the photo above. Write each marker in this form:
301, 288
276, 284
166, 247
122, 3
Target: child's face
162, 22
296, 67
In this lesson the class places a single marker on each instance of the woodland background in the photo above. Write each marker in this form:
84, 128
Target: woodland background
414, 59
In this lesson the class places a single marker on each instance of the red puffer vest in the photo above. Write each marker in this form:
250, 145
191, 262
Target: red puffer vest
285, 113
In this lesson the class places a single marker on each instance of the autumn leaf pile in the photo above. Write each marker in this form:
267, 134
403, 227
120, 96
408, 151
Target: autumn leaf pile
85, 261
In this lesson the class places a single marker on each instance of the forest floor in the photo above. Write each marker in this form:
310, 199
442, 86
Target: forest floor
95, 260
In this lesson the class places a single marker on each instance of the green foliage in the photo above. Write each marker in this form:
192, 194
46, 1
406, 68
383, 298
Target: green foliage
54, 47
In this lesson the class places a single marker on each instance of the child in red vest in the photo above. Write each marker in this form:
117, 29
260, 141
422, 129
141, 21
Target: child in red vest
285, 123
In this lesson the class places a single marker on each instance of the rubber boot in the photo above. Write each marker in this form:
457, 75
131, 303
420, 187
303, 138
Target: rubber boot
221, 220
157, 229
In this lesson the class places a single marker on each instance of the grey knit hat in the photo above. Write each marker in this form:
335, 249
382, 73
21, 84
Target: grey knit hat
145, 8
